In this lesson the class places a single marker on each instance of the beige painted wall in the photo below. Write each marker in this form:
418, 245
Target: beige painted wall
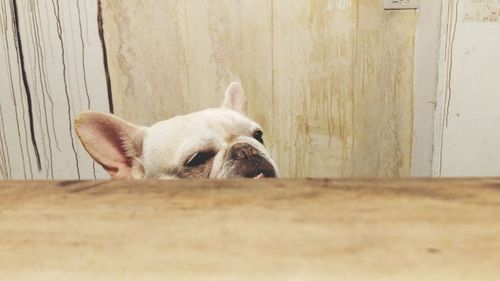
330, 81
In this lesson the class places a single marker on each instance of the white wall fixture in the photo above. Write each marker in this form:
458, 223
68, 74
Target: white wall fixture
401, 4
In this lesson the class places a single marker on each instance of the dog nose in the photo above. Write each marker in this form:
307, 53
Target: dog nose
248, 162
240, 151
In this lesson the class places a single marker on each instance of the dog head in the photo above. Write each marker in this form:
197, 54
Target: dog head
213, 143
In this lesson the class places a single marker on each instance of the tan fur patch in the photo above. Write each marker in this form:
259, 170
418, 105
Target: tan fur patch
202, 171
231, 138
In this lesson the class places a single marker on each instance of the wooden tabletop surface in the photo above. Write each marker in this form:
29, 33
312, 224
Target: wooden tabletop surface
402, 229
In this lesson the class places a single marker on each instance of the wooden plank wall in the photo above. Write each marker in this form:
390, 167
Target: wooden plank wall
329, 80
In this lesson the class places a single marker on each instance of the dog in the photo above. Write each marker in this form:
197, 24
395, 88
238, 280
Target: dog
213, 143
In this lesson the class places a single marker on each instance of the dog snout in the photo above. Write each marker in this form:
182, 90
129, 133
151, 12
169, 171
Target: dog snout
248, 162
241, 151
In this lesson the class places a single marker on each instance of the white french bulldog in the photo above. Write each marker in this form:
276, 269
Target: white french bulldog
212, 143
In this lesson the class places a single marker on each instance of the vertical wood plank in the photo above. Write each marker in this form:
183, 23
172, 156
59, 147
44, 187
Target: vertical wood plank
383, 93
146, 58
426, 65
313, 56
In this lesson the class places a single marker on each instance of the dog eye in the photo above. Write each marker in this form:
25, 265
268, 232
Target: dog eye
258, 136
199, 158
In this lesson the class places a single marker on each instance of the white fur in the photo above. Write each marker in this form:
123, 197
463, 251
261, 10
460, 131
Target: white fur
168, 143
162, 149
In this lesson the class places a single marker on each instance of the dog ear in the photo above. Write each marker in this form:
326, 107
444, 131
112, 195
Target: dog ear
235, 98
114, 143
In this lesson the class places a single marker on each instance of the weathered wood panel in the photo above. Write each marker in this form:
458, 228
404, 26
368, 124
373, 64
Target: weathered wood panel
313, 52
51, 67
251, 230
330, 81
383, 92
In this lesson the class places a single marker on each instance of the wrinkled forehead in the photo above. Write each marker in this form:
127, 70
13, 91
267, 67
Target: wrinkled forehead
210, 121
226, 121
207, 127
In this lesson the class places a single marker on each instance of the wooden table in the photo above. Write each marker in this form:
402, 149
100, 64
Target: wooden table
407, 229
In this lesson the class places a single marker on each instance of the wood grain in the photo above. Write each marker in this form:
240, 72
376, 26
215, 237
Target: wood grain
384, 92
317, 229
330, 81
175, 57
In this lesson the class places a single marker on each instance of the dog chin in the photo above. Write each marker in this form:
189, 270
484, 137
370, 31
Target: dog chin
243, 171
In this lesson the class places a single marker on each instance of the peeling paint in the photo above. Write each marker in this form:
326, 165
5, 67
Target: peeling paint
486, 11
